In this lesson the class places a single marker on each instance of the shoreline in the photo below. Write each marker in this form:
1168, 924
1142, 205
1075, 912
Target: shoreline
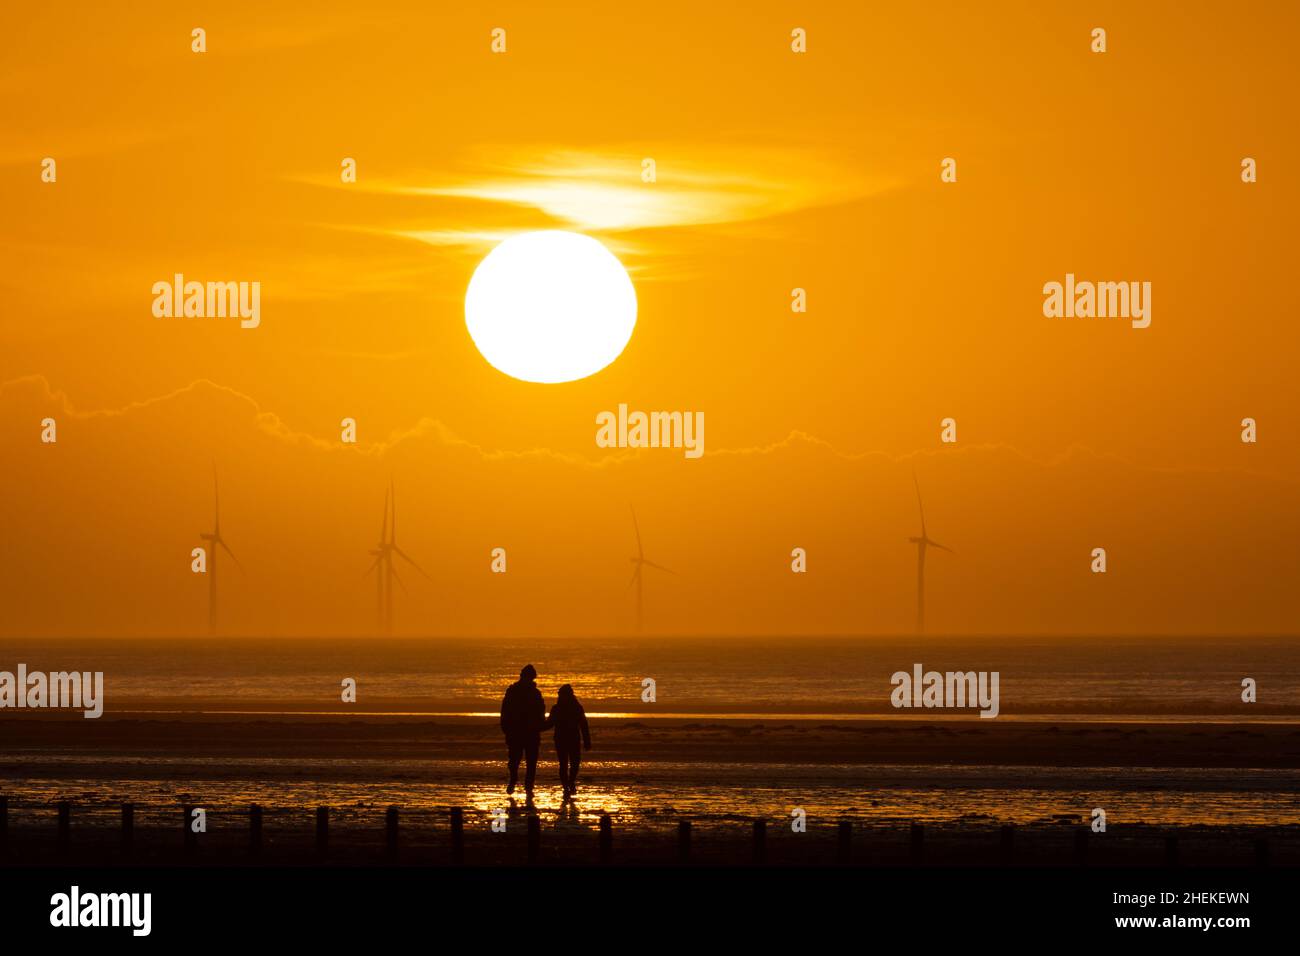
42, 737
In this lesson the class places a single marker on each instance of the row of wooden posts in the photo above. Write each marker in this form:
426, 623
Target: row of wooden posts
605, 836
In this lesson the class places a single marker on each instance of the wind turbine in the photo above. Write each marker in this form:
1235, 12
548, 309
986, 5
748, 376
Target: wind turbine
383, 564
379, 552
215, 540
638, 563
922, 543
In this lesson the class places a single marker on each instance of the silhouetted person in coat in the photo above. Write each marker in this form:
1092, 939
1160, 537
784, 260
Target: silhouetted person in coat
570, 721
522, 714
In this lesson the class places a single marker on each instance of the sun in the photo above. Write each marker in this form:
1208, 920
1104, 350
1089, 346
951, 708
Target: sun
550, 306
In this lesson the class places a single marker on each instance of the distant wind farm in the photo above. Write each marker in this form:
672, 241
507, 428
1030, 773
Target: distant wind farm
639, 564
215, 541
387, 579
383, 567
922, 542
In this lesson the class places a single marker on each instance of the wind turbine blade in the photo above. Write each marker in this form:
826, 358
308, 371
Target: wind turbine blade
373, 566
635, 574
392, 526
408, 559
639, 552
941, 547
231, 553
919, 505
396, 577
383, 528
660, 567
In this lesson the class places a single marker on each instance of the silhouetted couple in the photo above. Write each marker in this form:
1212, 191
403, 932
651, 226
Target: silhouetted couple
523, 718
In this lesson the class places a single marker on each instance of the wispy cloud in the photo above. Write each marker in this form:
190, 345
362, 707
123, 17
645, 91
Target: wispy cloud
604, 191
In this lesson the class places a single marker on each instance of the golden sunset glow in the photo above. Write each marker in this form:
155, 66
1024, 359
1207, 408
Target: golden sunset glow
773, 172
525, 466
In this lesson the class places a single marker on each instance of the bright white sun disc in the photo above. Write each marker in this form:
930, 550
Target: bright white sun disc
550, 306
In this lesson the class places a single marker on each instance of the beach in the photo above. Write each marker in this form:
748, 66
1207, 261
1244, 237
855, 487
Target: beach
1222, 786
1156, 738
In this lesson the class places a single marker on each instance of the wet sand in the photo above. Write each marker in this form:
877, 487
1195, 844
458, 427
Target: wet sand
1218, 788
973, 741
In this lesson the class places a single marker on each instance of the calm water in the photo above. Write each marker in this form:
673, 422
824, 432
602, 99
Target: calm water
808, 676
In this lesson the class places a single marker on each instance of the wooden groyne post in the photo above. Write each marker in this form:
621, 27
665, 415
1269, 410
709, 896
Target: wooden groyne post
606, 838
128, 827
191, 839
1007, 844
1261, 851
1081, 838
322, 830
457, 835
390, 832
255, 829
534, 838
844, 843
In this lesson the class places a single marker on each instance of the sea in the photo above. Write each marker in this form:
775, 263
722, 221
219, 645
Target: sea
1060, 677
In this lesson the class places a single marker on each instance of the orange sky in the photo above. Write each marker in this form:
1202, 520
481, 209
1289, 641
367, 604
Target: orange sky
775, 170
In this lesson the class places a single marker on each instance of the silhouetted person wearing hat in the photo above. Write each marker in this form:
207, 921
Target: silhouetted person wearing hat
523, 711
570, 721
